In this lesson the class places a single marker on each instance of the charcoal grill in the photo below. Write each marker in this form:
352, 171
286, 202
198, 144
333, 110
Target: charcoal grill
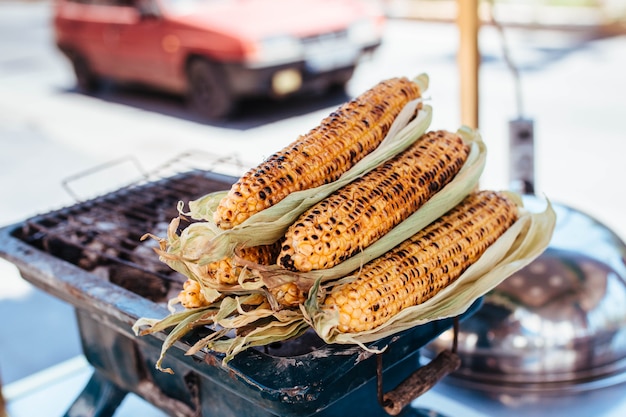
90, 255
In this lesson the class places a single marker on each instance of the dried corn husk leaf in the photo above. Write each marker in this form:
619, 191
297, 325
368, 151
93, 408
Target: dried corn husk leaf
204, 207
183, 322
524, 241
197, 235
285, 325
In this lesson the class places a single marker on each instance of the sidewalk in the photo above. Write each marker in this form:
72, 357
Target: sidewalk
58, 387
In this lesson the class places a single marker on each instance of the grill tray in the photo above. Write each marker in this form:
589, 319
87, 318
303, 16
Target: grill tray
90, 256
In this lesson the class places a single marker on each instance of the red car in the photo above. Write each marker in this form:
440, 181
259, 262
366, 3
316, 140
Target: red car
217, 52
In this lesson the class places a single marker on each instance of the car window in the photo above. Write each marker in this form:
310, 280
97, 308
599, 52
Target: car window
148, 7
185, 6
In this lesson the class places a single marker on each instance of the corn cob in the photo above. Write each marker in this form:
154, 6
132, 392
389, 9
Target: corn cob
191, 295
322, 155
422, 265
288, 295
226, 271
361, 212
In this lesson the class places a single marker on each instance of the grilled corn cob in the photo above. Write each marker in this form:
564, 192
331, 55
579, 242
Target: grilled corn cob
191, 295
361, 212
422, 265
322, 155
288, 295
226, 271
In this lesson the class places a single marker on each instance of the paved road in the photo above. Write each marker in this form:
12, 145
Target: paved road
572, 87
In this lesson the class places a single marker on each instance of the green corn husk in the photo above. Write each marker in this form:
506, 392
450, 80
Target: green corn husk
523, 242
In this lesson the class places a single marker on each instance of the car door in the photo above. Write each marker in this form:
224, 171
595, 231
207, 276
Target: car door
103, 21
83, 27
146, 49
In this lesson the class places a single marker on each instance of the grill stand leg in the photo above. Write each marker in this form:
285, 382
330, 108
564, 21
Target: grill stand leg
99, 398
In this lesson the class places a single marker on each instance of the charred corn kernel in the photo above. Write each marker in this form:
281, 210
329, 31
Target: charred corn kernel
322, 155
191, 295
421, 266
226, 271
288, 295
361, 212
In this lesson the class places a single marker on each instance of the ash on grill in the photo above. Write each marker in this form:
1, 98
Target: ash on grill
103, 236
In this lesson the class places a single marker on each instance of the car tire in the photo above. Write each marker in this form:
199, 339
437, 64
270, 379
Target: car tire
208, 92
86, 80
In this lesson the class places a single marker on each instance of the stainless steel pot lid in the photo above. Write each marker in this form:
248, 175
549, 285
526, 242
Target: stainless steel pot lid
558, 324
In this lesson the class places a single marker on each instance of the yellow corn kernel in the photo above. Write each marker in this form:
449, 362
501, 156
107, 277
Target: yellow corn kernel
288, 295
191, 295
322, 155
421, 266
358, 214
226, 271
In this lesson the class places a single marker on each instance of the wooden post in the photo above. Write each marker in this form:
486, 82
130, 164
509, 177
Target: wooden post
468, 60
3, 410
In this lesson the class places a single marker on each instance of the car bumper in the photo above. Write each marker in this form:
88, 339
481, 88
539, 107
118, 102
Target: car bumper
283, 80
292, 78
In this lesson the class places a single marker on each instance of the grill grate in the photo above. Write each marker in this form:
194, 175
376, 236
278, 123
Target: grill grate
103, 235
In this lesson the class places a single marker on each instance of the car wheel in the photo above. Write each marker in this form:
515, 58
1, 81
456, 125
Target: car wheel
207, 90
86, 80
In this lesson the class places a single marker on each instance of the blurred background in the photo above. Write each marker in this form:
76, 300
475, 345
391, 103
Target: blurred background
559, 64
